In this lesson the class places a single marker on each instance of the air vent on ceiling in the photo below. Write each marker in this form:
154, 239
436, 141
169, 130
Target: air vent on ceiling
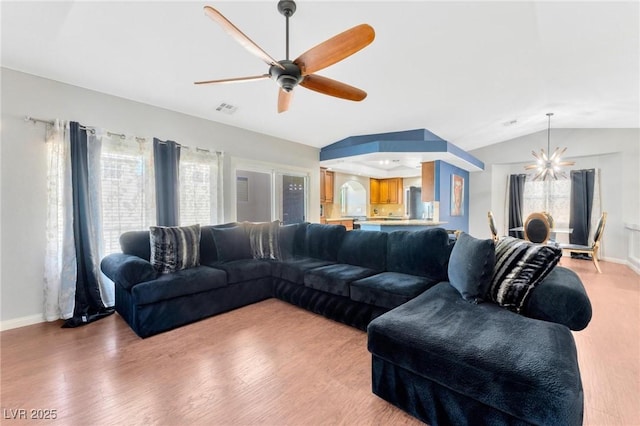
226, 108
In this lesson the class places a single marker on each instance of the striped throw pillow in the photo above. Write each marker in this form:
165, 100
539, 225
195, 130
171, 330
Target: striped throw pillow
174, 248
520, 266
264, 240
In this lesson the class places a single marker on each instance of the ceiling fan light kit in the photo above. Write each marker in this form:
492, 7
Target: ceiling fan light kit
548, 166
301, 71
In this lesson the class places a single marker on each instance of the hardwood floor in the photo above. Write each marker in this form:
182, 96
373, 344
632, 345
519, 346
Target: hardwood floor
273, 363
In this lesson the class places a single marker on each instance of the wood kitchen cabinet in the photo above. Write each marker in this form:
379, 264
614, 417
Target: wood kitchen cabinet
386, 191
428, 181
326, 186
374, 191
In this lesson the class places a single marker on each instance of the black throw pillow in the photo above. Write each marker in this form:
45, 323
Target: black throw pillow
232, 243
471, 266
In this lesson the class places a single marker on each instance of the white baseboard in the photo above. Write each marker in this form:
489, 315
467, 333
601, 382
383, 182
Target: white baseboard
21, 322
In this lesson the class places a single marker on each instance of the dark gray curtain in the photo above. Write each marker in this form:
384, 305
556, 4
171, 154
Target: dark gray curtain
582, 184
166, 159
88, 302
516, 201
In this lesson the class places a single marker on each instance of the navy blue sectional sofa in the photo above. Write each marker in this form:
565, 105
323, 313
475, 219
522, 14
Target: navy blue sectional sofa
437, 356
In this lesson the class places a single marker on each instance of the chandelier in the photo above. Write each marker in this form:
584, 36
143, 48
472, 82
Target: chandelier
547, 165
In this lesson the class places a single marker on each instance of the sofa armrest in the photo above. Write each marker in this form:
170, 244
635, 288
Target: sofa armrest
127, 270
560, 298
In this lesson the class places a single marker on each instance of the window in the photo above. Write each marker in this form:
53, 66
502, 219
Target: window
200, 194
128, 202
551, 196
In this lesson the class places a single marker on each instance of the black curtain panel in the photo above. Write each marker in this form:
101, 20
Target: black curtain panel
582, 185
166, 159
516, 202
88, 302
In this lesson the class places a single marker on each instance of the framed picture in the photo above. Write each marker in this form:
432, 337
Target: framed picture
457, 195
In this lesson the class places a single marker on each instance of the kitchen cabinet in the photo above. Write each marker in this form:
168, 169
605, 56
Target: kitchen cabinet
386, 191
374, 191
326, 186
429, 181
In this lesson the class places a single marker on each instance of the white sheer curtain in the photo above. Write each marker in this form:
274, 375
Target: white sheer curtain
554, 196
126, 193
200, 187
60, 254
128, 188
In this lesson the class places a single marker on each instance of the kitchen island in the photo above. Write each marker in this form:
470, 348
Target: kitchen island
399, 225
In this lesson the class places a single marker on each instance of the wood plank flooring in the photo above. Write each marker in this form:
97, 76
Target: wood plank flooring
275, 364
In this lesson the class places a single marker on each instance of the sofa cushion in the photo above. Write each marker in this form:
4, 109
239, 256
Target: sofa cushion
335, 279
186, 282
520, 266
521, 366
136, 243
389, 289
293, 270
424, 253
174, 248
560, 298
245, 269
364, 248
264, 240
323, 241
286, 240
471, 266
232, 243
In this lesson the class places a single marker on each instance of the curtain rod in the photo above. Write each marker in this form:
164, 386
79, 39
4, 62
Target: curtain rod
90, 129
38, 120
121, 135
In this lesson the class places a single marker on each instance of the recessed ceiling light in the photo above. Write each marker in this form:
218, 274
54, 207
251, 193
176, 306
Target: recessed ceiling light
510, 122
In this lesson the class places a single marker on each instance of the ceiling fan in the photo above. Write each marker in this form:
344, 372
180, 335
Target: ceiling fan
288, 74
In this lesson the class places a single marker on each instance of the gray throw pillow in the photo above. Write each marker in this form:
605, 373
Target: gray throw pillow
471, 266
520, 267
174, 248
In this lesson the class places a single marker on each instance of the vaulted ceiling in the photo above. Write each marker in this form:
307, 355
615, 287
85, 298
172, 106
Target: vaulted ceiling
474, 73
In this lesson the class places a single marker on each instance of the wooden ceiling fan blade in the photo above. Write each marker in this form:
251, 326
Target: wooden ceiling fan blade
239, 36
284, 100
332, 87
234, 80
335, 49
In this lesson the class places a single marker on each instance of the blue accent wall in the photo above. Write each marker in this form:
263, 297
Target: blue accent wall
443, 173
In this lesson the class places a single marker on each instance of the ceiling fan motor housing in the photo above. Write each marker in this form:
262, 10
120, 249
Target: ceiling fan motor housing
287, 7
287, 78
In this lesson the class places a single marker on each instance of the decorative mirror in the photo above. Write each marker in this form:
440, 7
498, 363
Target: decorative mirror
353, 199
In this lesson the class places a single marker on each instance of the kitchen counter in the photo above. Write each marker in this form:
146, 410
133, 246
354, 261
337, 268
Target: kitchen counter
399, 225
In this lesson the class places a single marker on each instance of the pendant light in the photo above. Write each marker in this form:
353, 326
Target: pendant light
549, 167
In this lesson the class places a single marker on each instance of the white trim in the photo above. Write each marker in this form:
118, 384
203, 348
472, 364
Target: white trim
21, 322
633, 267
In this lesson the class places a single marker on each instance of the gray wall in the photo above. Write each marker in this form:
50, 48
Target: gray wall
616, 152
23, 175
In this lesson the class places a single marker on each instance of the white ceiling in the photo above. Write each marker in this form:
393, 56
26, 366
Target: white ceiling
460, 69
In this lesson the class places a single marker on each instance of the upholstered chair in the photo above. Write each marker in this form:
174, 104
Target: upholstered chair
492, 226
593, 248
536, 228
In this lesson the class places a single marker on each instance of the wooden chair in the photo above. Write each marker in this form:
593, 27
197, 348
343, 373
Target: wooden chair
537, 228
492, 227
593, 248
